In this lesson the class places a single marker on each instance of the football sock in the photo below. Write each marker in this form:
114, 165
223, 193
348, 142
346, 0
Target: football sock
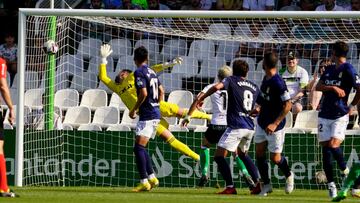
327, 164
198, 114
140, 160
183, 148
339, 157
224, 170
250, 166
3, 177
284, 167
263, 169
352, 177
149, 167
241, 166
204, 160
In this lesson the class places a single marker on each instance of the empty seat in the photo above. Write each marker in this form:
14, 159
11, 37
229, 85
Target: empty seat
116, 101
66, 98
210, 67
94, 98
62, 80
125, 62
6, 122
306, 119
119, 127
106, 116
220, 30
353, 52
171, 81
33, 98
14, 98
120, 47
174, 48
289, 120
96, 61
89, 127
227, 49
177, 128
75, 116
183, 98
127, 121
152, 45
31, 80
70, 64
243, 30
188, 68
306, 64
84, 81
202, 49
89, 48
268, 32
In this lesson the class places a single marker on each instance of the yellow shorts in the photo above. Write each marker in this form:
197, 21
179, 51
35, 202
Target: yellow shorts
168, 109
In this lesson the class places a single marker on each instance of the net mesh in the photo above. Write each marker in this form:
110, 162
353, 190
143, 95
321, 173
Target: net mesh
84, 153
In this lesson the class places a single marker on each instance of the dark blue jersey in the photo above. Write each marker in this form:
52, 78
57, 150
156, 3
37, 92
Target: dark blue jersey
344, 77
147, 78
242, 95
271, 99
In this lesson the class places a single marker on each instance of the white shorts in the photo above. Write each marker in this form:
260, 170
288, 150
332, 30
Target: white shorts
234, 138
328, 128
147, 128
275, 141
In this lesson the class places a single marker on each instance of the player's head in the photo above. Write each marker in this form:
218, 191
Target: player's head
240, 68
355, 5
292, 59
323, 64
9, 38
340, 49
96, 4
224, 72
270, 60
140, 55
329, 4
122, 75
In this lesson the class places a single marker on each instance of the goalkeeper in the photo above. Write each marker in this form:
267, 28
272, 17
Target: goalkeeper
350, 180
125, 88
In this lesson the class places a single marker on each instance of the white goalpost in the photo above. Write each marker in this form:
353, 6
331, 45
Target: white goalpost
94, 147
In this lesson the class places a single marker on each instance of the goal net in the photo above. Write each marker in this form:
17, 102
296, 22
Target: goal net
85, 137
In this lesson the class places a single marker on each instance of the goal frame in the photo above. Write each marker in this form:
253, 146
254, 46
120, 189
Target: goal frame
24, 12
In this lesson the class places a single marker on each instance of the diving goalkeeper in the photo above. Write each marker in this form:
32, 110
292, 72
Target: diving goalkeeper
125, 88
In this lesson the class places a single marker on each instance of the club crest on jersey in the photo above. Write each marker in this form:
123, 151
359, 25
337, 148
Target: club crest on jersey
139, 82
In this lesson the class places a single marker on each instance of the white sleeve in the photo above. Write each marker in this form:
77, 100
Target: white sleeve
207, 88
304, 80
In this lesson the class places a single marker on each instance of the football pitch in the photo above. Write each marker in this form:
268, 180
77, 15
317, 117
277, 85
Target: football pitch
158, 195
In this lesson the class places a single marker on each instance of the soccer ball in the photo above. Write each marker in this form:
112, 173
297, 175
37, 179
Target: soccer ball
50, 47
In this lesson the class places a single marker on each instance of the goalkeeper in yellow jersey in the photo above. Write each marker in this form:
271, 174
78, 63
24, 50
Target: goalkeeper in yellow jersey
125, 88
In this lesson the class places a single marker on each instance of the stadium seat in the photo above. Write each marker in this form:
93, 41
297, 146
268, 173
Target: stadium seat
289, 120
243, 30
14, 98
84, 81
62, 81
94, 98
260, 65
96, 61
33, 98
356, 64
188, 68
221, 30
119, 127
77, 115
173, 48
6, 122
125, 62
89, 48
210, 67
89, 127
202, 49
127, 121
115, 101
171, 81
171, 120
353, 52
227, 49
351, 97
251, 62
201, 129
152, 45
67, 127
306, 64
256, 76
31, 79
178, 128
307, 120
183, 98
106, 116
66, 98
120, 47
70, 64
268, 32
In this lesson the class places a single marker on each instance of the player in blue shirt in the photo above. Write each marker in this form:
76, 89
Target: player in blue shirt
336, 84
274, 103
149, 92
242, 95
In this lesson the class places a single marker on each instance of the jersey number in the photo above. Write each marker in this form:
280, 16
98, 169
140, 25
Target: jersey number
155, 87
248, 100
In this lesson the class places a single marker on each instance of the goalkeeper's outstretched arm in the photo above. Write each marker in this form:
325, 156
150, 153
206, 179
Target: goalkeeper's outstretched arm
105, 51
160, 67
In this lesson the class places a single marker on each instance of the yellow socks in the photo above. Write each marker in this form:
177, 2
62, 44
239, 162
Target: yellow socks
198, 114
183, 148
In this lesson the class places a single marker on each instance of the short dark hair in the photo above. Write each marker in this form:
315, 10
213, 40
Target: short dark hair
140, 54
270, 60
240, 68
117, 78
340, 49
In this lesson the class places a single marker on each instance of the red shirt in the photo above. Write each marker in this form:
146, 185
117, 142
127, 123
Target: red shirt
3, 68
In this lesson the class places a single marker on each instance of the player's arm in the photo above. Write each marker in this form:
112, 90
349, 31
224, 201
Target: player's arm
105, 51
161, 93
141, 98
160, 67
200, 98
5, 93
356, 85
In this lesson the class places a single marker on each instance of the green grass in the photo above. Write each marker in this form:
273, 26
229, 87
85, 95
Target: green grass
158, 195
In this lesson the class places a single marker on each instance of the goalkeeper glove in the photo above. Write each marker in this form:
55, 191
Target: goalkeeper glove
176, 61
105, 51
185, 121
